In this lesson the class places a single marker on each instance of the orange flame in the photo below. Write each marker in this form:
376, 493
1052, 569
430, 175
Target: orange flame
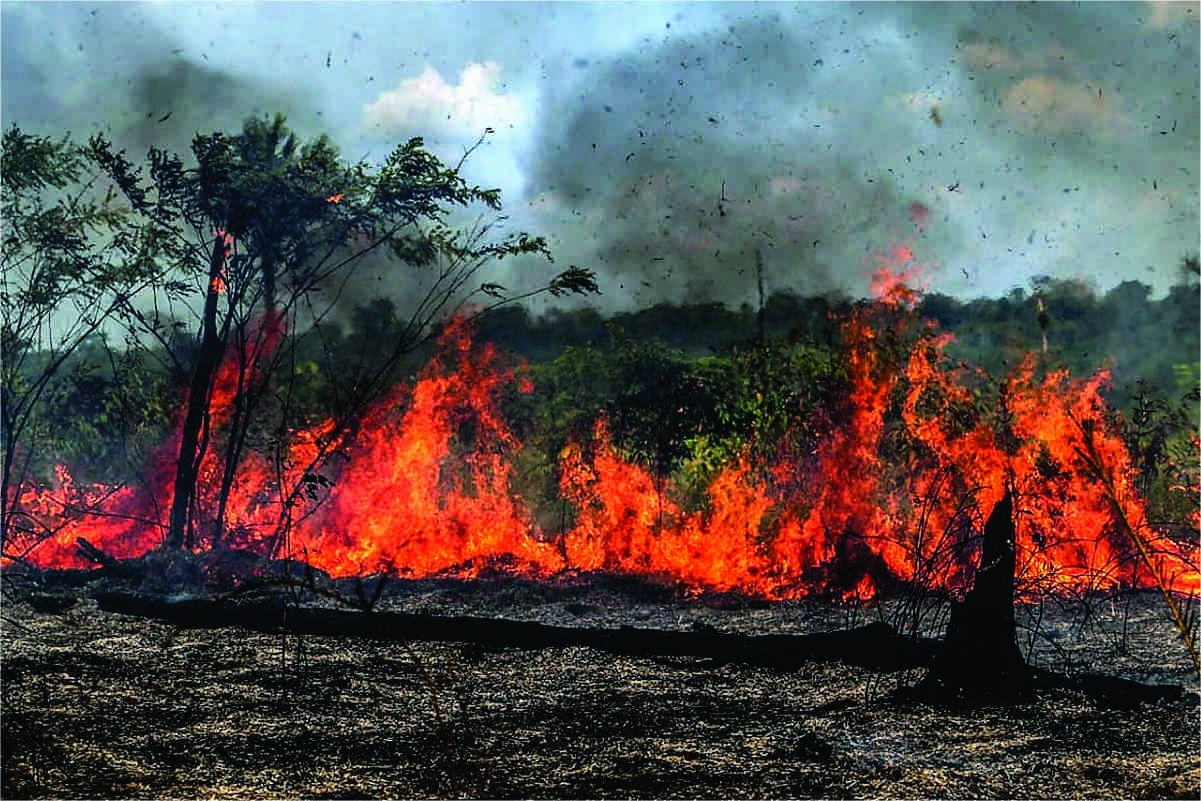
896, 492
218, 283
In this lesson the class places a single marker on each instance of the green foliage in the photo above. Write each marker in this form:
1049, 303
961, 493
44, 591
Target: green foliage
299, 214
681, 417
1161, 434
111, 408
65, 271
769, 403
34, 163
648, 394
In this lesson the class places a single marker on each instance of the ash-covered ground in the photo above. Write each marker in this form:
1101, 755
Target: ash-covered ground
110, 706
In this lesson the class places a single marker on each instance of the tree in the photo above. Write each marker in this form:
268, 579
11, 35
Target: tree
70, 262
265, 221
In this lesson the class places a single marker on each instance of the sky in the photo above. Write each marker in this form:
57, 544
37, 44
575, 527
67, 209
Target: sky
665, 144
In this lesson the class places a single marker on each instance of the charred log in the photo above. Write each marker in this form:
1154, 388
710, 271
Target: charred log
1112, 692
875, 646
978, 660
106, 561
165, 570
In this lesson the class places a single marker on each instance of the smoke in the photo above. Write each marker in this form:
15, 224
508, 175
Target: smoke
78, 68
664, 145
1004, 141
683, 159
177, 98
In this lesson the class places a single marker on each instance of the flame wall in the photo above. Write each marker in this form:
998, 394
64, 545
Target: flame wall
406, 491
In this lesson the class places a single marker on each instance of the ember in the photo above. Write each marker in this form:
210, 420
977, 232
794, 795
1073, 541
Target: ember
871, 508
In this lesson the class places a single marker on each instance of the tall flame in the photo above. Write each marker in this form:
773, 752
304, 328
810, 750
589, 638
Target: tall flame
894, 493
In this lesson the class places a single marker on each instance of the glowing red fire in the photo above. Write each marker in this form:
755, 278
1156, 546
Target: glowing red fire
408, 493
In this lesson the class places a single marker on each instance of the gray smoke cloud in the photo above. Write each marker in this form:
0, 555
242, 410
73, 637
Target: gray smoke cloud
78, 68
686, 157
1004, 141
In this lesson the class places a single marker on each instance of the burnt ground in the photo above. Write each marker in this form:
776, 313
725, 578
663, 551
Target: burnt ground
109, 706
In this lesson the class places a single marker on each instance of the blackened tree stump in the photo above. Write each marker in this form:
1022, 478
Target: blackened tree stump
979, 658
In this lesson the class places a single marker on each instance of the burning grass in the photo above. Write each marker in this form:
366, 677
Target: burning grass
892, 490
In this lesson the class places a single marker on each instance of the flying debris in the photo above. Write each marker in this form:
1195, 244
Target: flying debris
328, 57
936, 115
165, 117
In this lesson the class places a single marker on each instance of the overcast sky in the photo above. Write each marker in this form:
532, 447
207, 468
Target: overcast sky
662, 144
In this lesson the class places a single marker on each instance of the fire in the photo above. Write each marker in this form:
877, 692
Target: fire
335, 198
405, 501
218, 283
128, 521
895, 493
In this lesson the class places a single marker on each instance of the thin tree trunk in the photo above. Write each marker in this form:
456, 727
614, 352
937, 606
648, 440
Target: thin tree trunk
246, 397
187, 468
267, 268
10, 505
233, 448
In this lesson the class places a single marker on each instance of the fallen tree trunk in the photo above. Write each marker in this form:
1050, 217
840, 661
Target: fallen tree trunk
876, 646
1106, 691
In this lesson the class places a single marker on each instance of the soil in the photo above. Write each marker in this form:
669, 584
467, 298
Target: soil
109, 706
